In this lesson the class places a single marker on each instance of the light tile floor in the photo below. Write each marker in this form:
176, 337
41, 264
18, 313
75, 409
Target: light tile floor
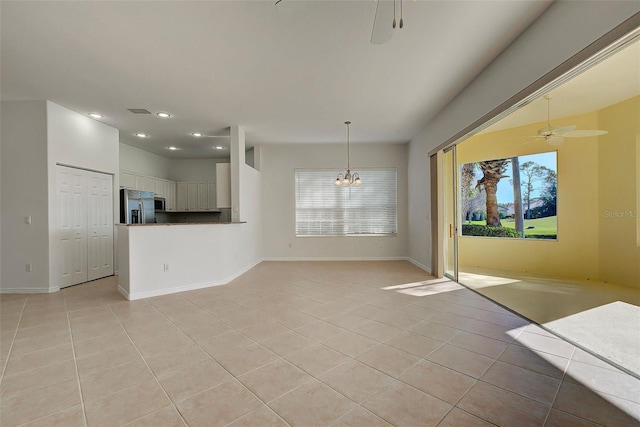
299, 344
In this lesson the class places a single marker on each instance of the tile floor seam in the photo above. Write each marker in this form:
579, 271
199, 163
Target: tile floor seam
530, 370
389, 385
13, 340
359, 405
400, 375
324, 384
521, 395
555, 396
75, 363
473, 415
268, 408
155, 377
234, 377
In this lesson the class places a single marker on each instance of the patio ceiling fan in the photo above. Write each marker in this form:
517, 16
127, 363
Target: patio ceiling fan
554, 135
384, 22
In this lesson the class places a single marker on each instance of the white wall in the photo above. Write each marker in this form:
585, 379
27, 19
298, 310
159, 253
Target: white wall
76, 140
35, 136
141, 162
194, 170
24, 193
278, 200
251, 202
562, 31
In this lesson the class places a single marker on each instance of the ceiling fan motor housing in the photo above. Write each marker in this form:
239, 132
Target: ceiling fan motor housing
547, 131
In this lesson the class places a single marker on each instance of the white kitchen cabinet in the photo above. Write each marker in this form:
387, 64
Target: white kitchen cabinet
181, 196
128, 180
203, 196
192, 196
159, 186
187, 195
145, 183
195, 196
223, 185
206, 196
211, 192
170, 196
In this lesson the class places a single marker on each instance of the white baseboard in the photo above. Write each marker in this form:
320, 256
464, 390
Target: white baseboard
29, 290
176, 289
189, 287
123, 292
417, 264
334, 259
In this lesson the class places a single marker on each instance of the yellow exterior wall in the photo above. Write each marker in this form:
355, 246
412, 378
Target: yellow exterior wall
618, 193
575, 254
598, 179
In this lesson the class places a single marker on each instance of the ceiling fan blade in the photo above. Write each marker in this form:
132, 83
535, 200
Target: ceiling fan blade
555, 140
382, 30
563, 130
584, 133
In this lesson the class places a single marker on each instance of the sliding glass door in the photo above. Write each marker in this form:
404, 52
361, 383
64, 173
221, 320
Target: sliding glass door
450, 233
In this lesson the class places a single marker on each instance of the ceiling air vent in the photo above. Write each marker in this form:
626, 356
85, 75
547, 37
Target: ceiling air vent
139, 111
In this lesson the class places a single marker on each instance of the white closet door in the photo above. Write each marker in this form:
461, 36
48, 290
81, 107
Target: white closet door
71, 232
99, 225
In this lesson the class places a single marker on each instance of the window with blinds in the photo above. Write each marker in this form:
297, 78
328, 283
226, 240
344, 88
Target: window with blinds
324, 209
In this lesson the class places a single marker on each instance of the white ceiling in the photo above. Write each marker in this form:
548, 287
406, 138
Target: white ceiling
611, 81
291, 74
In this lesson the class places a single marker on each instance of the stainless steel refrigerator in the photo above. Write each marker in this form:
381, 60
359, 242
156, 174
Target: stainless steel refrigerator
136, 207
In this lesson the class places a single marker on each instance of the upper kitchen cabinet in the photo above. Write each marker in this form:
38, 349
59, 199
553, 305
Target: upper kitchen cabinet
223, 185
170, 196
195, 196
160, 187
128, 180
145, 183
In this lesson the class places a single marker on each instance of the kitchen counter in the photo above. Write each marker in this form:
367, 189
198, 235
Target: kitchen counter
160, 259
180, 223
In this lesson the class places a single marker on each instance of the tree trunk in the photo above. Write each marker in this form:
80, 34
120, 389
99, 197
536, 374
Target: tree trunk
493, 217
466, 181
517, 196
492, 173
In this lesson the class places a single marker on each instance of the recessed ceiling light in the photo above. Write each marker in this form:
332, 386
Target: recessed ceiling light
141, 135
219, 147
163, 114
96, 115
196, 134
173, 148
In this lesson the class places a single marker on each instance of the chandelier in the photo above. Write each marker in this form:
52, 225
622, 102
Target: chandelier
348, 179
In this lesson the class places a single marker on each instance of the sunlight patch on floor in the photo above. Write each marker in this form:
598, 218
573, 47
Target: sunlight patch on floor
616, 339
428, 287
482, 281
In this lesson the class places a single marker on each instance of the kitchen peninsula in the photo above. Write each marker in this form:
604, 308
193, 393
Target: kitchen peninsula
160, 259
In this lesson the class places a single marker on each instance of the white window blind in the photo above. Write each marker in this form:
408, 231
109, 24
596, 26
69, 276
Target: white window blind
324, 209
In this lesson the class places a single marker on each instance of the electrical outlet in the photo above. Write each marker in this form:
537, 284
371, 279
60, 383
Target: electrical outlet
28, 268
166, 267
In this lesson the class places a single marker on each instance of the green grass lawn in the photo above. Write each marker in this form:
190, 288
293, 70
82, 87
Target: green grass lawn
543, 226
